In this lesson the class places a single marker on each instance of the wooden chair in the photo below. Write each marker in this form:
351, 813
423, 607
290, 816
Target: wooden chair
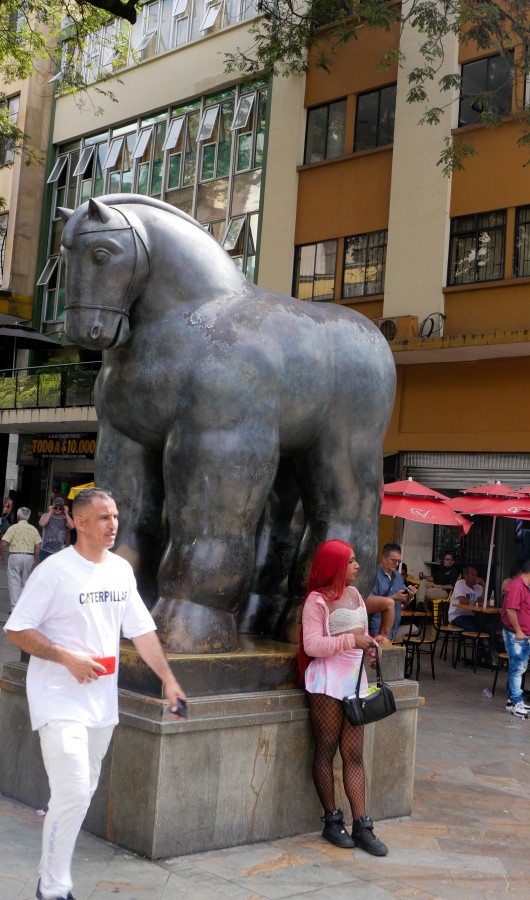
500, 661
474, 640
422, 643
448, 633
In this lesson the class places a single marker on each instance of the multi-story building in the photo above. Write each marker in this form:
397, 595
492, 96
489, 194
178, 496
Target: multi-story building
442, 263
179, 128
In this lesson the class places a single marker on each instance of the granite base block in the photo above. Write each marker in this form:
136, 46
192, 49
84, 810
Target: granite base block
237, 771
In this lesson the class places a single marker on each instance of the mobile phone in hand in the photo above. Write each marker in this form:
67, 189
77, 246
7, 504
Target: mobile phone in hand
181, 709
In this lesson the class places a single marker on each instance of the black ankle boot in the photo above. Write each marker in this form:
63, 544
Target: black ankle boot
334, 830
364, 837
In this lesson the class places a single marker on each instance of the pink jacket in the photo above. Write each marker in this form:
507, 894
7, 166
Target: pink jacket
315, 626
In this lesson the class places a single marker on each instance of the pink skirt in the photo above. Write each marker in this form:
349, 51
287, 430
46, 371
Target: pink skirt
336, 675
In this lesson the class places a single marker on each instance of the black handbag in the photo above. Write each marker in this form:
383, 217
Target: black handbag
378, 704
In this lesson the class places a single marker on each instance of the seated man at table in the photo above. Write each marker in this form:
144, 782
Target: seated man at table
389, 586
440, 587
467, 591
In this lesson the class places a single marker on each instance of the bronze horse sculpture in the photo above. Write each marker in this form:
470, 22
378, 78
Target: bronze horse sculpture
208, 386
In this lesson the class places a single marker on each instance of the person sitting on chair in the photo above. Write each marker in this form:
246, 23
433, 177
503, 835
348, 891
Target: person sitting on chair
440, 587
467, 591
389, 586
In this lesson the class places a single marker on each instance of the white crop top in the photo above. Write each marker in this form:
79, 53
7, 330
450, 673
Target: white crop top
341, 620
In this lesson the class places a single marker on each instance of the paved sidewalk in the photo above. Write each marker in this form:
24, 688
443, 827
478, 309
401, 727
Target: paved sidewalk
467, 838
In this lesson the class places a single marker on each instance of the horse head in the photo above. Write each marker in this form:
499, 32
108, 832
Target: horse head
107, 267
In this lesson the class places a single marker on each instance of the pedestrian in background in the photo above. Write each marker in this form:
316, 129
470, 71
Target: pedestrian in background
24, 542
56, 525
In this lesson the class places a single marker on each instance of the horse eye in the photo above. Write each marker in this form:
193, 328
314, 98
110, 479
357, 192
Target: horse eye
100, 256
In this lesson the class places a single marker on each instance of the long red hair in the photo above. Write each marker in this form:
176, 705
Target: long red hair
328, 577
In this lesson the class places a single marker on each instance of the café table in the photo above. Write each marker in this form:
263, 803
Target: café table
487, 624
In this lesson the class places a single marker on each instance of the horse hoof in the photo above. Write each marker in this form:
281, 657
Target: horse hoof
186, 627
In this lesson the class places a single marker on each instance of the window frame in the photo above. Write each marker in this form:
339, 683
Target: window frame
328, 297
487, 60
379, 92
314, 110
521, 270
369, 247
474, 234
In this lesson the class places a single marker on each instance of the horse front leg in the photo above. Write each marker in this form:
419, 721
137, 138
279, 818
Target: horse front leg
133, 474
216, 489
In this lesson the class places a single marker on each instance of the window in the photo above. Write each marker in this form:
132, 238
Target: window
7, 143
476, 248
325, 131
314, 271
364, 264
486, 88
216, 179
521, 256
3, 240
374, 119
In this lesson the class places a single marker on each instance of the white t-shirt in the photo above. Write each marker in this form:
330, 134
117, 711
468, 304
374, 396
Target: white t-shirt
459, 593
80, 605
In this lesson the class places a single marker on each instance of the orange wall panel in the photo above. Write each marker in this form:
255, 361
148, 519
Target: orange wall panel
345, 197
488, 309
468, 406
496, 177
353, 66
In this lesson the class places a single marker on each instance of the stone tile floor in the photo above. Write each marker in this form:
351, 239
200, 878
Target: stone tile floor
467, 838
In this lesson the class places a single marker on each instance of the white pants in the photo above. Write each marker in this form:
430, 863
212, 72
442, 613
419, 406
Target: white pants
19, 566
72, 755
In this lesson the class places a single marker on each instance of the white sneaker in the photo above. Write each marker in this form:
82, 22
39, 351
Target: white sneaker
519, 710
510, 705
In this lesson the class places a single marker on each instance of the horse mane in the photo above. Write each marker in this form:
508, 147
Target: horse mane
120, 199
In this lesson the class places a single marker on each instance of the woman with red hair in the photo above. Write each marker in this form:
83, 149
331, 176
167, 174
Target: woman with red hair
333, 636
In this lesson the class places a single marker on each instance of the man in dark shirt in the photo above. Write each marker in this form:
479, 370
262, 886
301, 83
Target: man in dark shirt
440, 587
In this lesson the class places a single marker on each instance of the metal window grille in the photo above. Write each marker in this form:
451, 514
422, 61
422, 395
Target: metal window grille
476, 248
364, 264
521, 261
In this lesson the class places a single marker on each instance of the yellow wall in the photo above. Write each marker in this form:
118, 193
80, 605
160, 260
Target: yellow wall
470, 407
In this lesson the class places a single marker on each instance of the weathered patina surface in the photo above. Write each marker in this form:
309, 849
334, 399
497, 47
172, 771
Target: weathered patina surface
219, 406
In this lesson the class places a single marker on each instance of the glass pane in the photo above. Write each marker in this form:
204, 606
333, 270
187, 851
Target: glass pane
141, 143
174, 170
500, 77
522, 242
144, 41
354, 266
182, 199
50, 306
209, 118
84, 160
208, 161
156, 179
325, 265
244, 108
56, 234
366, 121
190, 158
179, 7
244, 152
49, 268
210, 17
317, 125
246, 192
233, 233
113, 153
474, 79
387, 111
260, 136
336, 129
212, 200
224, 138
305, 267
175, 128
143, 178
86, 189
181, 31
114, 183
57, 170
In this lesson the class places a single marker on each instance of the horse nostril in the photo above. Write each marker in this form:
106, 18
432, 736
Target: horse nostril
95, 333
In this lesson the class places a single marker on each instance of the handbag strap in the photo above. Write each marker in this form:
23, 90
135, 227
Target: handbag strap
377, 670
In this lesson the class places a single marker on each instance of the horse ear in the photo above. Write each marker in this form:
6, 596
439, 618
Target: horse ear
64, 212
98, 210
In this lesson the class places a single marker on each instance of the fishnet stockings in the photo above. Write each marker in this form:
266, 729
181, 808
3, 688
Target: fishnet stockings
331, 729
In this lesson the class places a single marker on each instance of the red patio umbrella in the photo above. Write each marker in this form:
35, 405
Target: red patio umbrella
492, 500
414, 501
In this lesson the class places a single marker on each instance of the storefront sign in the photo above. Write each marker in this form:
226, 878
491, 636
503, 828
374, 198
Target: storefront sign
81, 445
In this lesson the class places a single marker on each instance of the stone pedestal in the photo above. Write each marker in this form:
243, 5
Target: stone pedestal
238, 771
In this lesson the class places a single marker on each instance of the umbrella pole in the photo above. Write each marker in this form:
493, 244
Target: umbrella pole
488, 573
